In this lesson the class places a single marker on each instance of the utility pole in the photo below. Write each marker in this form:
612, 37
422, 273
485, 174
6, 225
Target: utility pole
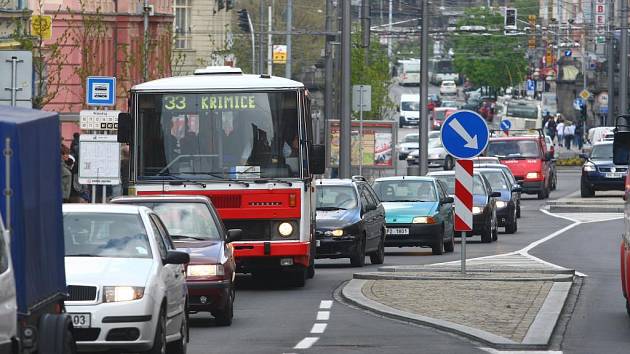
345, 164
559, 22
389, 36
287, 67
611, 65
328, 96
623, 62
261, 38
269, 42
145, 46
423, 124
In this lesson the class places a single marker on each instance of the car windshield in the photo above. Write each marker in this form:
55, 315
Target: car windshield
435, 143
335, 197
187, 220
412, 138
439, 115
410, 106
522, 111
496, 179
105, 235
449, 180
513, 148
219, 135
602, 152
405, 191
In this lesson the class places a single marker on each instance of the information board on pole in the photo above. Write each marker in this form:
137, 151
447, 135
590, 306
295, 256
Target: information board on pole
99, 159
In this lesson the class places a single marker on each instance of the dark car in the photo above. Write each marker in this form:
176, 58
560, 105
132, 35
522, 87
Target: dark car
195, 228
508, 173
506, 203
350, 221
599, 173
484, 204
418, 212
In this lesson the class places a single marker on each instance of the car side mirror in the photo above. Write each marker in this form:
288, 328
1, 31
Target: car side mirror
583, 156
448, 200
495, 194
317, 159
177, 257
548, 156
517, 189
125, 128
233, 235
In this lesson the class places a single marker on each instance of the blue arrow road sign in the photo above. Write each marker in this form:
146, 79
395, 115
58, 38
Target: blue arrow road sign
506, 125
101, 91
464, 134
567, 53
531, 85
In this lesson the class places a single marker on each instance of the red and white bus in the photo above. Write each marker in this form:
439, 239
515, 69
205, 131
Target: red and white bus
246, 142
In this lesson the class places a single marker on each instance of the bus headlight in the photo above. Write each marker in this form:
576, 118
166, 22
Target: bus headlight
285, 229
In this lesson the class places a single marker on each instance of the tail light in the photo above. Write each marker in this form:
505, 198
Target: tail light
292, 202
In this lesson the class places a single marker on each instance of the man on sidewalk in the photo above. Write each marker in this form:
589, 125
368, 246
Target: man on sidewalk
560, 129
569, 132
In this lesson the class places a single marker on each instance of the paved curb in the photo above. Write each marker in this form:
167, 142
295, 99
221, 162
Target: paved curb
538, 336
394, 269
585, 209
393, 276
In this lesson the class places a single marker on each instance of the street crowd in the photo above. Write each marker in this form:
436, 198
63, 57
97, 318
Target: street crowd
563, 132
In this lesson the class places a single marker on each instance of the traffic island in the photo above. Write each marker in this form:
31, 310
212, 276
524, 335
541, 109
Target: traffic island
503, 309
602, 202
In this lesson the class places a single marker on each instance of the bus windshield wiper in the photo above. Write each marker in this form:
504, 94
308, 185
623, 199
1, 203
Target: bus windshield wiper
220, 178
183, 179
271, 180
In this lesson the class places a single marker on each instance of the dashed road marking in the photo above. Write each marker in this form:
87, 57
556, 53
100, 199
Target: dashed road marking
306, 343
319, 328
323, 315
325, 304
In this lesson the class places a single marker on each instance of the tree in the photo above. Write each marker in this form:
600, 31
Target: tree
490, 58
373, 71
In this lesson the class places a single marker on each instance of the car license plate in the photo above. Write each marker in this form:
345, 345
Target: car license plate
398, 231
614, 175
81, 320
318, 243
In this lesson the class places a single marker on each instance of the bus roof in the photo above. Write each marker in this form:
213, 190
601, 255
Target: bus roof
218, 81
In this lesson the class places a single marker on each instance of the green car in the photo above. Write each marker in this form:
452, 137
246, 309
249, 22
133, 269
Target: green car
418, 212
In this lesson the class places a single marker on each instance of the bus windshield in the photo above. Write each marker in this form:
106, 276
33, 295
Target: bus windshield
233, 135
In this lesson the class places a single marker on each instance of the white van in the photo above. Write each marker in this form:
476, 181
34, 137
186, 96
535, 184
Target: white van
409, 110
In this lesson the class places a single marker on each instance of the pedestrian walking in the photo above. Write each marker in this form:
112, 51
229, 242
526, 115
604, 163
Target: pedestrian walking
560, 131
66, 174
579, 135
569, 132
551, 128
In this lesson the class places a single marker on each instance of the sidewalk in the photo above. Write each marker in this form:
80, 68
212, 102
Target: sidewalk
505, 303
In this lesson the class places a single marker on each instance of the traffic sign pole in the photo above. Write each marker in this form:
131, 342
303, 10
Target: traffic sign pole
463, 203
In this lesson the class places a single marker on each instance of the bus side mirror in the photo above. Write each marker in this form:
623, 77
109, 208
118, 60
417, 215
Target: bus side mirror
318, 159
125, 128
621, 148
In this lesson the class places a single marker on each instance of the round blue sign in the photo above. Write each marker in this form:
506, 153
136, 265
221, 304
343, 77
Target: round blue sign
506, 125
465, 134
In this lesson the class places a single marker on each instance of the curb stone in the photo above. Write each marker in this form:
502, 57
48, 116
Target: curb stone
380, 276
394, 269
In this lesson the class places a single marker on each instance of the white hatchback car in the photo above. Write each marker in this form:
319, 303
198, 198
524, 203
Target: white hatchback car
126, 282
448, 87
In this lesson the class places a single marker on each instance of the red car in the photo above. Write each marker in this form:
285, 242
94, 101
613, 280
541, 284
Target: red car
439, 114
528, 159
195, 228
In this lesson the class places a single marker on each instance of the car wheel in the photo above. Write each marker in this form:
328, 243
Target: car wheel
224, 317
512, 225
298, 277
495, 229
449, 246
159, 341
400, 125
518, 210
586, 191
311, 271
438, 247
554, 182
449, 163
180, 346
378, 256
358, 258
544, 193
628, 307
486, 233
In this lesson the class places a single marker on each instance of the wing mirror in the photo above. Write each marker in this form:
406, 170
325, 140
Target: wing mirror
583, 156
548, 156
125, 128
233, 235
517, 189
448, 200
177, 257
495, 194
318, 159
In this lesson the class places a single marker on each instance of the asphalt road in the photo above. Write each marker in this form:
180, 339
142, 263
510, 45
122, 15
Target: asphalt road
271, 318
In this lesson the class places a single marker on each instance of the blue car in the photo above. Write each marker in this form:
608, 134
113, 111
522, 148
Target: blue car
599, 173
418, 212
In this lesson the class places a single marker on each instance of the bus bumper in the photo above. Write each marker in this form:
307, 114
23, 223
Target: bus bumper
271, 255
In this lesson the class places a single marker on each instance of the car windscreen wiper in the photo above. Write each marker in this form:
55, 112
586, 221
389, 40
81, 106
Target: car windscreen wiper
179, 237
82, 255
330, 208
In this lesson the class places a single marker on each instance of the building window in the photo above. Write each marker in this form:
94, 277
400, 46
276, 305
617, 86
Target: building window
183, 13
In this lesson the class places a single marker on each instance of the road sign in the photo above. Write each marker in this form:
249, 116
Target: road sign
464, 134
16, 78
567, 53
41, 26
100, 159
578, 103
101, 91
279, 54
601, 39
506, 125
531, 87
361, 98
98, 120
585, 94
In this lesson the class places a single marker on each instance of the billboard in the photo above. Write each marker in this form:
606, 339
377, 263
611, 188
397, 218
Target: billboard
378, 142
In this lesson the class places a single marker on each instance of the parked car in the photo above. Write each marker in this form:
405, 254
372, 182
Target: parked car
529, 160
418, 212
438, 115
195, 227
484, 204
506, 203
350, 221
437, 156
409, 143
599, 173
552, 152
125, 279
448, 87
508, 173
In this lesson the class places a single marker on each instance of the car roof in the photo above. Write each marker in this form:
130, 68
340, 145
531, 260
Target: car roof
335, 182
405, 178
104, 208
162, 198
410, 96
491, 165
523, 137
445, 173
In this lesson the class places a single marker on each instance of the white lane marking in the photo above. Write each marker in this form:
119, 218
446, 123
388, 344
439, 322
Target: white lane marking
323, 315
325, 304
319, 328
306, 343
553, 235
494, 351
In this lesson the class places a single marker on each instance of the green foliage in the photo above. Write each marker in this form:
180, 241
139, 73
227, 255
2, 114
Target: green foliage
374, 72
490, 59
526, 8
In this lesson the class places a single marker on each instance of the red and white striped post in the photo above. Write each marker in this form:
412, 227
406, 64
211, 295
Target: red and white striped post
463, 202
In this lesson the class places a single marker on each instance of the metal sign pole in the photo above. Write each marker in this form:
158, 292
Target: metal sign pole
463, 261
94, 194
104, 194
361, 131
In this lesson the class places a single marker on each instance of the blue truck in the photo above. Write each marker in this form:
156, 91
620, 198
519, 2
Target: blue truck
32, 271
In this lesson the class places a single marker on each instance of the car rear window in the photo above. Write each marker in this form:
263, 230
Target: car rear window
514, 149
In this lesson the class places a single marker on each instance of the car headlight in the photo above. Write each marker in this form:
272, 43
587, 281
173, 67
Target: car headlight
532, 175
122, 293
334, 233
204, 270
477, 210
501, 204
285, 229
435, 156
423, 220
589, 167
